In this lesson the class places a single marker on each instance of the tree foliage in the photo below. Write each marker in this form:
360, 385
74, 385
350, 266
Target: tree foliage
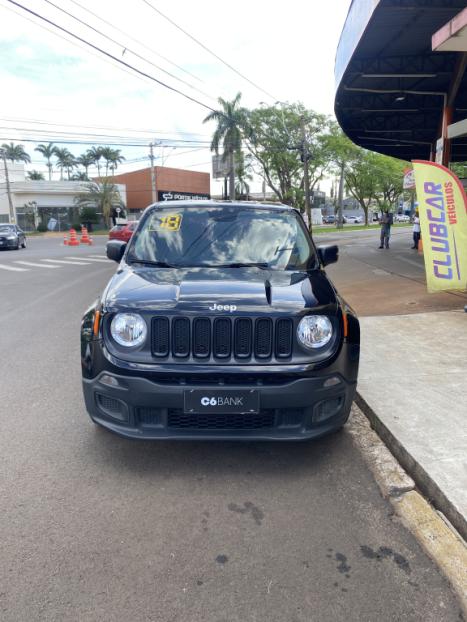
101, 196
274, 137
15, 153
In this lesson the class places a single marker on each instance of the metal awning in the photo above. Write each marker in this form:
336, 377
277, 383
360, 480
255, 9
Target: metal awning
391, 87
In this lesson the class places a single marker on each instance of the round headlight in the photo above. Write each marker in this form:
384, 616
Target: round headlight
128, 329
314, 331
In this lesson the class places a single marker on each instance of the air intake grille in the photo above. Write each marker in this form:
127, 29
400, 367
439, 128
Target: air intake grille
222, 338
179, 420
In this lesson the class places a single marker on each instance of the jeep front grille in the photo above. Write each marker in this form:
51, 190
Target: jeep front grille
221, 338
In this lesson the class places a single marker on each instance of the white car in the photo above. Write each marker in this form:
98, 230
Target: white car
353, 220
401, 218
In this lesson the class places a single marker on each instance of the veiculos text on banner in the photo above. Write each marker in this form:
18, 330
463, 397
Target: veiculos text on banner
442, 205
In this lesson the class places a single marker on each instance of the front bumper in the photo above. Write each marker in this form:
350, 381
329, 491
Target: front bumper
140, 408
9, 243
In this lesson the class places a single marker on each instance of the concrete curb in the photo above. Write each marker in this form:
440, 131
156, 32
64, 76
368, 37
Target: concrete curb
439, 540
428, 487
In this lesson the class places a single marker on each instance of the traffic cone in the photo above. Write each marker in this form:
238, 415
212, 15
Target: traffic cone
420, 246
84, 236
65, 240
73, 241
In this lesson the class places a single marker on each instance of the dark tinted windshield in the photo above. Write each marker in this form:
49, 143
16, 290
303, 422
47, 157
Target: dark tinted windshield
220, 236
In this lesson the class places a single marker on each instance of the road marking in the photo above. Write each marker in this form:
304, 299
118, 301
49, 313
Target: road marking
380, 272
99, 256
35, 265
412, 262
89, 259
12, 268
68, 263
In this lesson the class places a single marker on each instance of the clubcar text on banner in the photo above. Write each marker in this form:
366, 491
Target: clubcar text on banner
442, 206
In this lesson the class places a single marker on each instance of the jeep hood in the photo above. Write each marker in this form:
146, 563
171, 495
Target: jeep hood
251, 290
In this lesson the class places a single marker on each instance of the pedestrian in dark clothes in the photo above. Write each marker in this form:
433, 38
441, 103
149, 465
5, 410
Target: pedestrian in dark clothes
386, 222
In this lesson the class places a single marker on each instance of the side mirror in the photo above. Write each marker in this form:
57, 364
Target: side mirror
115, 250
328, 254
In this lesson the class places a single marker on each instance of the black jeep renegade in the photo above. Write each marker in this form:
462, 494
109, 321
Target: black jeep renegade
220, 323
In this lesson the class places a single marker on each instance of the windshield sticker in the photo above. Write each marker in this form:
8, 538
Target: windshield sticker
171, 222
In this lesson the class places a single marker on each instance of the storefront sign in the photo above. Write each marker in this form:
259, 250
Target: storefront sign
442, 205
409, 179
173, 195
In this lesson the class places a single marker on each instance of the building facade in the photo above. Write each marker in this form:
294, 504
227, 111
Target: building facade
169, 184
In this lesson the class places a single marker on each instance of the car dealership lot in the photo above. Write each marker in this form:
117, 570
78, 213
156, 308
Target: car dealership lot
95, 527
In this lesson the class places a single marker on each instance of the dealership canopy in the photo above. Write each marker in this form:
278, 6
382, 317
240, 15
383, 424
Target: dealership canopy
401, 79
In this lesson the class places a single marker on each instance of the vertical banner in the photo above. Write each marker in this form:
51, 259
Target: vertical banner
442, 205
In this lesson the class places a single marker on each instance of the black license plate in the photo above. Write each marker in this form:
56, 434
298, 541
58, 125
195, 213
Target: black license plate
199, 401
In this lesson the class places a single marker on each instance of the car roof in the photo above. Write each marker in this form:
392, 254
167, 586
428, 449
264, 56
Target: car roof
211, 203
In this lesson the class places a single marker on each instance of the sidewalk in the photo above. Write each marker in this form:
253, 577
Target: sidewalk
413, 387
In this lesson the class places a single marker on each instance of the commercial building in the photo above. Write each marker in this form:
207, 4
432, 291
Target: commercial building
50, 203
401, 82
166, 184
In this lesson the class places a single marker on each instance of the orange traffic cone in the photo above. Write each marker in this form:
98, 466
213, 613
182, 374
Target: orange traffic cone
420, 246
65, 240
73, 241
84, 236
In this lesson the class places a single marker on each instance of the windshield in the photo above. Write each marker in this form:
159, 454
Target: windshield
230, 236
6, 229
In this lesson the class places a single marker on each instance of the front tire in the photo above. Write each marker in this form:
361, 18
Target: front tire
23, 245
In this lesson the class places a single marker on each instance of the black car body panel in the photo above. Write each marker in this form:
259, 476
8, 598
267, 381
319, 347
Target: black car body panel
229, 338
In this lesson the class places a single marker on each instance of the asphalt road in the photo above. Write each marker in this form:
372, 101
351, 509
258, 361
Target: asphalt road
94, 527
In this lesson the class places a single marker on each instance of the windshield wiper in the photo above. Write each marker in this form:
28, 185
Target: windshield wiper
241, 264
156, 264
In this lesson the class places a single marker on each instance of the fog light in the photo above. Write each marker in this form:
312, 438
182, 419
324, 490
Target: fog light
327, 409
331, 382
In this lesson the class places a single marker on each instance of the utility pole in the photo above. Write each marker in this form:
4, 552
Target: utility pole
153, 174
8, 189
305, 157
341, 198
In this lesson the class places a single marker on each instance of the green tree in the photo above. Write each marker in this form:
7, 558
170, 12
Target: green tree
65, 160
96, 154
389, 181
274, 136
243, 170
36, 175
115, 159
48, 151
230, 121
85, 160
101, 196
15, 153
79, 176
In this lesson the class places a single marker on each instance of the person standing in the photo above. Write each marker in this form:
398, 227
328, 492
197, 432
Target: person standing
386, 222
416, 230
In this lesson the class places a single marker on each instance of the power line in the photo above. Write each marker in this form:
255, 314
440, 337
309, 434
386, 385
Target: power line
35, 140
103, 137
208, 50
135, 40
105, 53
126, 49
96, 127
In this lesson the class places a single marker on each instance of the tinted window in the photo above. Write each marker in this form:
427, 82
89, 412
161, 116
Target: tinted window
218, 236
7, 229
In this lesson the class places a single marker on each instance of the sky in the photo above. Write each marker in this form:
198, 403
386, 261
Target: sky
54, 87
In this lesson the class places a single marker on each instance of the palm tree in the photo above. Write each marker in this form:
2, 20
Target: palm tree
107, 153
47, 151
35, 175
15, 153
79, 176
230, 120
115, 159
65, 160
96, 154
102, 196
85, 159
